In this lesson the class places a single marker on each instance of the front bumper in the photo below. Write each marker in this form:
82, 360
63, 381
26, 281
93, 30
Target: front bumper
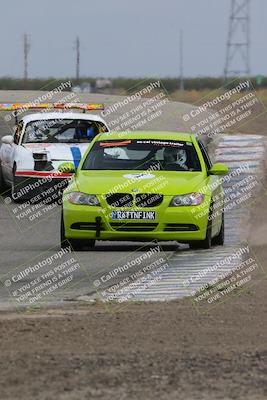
172, 223
39, 184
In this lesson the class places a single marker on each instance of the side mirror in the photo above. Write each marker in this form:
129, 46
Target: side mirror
8, 139
219, 169
67, 167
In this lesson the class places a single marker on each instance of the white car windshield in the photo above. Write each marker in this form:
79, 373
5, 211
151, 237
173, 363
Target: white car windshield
62, 131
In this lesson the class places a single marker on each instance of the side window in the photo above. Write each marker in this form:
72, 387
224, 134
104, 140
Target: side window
18, 133
101, 127
205, 155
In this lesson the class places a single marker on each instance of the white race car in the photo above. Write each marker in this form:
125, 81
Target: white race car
30, 160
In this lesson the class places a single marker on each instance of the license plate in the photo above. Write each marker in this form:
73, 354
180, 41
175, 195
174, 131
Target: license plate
135, 215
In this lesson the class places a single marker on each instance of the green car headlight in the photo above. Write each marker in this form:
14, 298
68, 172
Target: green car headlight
83, 199
192, 199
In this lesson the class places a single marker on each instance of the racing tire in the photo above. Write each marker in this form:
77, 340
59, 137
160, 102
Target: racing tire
76, 244
207, 242
3, 185
219, 239
16, 188
14, 193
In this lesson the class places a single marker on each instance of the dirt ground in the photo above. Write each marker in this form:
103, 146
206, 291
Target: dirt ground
165, 351
143, 351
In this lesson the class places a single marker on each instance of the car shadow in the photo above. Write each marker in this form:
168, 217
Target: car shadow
137, 246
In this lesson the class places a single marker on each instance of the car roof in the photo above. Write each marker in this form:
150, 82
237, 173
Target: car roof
61, 115
185, 137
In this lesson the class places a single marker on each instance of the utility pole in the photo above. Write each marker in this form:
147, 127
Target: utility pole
238, 43
78, 53
181, 60
26, 48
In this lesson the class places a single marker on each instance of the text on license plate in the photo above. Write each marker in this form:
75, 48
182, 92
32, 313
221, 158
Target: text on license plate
143, 215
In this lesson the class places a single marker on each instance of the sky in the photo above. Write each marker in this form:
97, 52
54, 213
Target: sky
129, 38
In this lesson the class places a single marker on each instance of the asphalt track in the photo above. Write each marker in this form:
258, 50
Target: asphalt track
88, 275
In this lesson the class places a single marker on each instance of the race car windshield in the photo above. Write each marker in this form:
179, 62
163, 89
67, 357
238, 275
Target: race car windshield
162, 155
62, 131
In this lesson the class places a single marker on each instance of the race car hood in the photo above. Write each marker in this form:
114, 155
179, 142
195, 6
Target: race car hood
60, 152
164, 182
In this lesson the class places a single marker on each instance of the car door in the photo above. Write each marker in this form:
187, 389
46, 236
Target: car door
8, 155
217, 192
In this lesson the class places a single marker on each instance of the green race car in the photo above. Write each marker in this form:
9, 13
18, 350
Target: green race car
144, 186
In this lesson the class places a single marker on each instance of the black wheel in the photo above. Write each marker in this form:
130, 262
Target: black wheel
207, 242
14, 194
3, 186
63, 240
219, 239
76, 244
18, 189
16, 197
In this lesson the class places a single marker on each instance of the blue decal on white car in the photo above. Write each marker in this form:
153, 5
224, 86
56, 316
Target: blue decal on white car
77, 155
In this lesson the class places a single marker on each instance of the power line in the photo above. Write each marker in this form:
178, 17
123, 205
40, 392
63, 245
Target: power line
26, 50
78, 58
238, 42
181, 60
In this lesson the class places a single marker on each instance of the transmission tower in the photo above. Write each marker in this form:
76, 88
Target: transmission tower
181, 48
238, 42
78, 53
26, 50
